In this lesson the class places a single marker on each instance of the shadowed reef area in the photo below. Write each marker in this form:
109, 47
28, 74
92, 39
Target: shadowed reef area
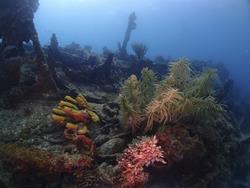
72, 118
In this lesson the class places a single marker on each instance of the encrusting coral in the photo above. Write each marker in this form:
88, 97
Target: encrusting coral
177, 143
75, 114
28, 159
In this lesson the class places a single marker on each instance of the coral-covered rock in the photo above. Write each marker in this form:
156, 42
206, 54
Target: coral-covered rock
28, 159
112, 146
107, 172
177, 144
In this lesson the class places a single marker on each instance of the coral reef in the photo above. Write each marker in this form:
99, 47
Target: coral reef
189, 101
193, 130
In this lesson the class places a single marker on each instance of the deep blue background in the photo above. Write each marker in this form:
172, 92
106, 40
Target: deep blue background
217, 30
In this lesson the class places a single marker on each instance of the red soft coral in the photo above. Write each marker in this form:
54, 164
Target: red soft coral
139, 155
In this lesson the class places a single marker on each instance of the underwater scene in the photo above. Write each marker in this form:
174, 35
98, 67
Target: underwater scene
124, 94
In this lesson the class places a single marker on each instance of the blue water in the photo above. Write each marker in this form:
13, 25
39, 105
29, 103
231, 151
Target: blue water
217, 30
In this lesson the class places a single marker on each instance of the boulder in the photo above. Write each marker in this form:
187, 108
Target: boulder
114, 145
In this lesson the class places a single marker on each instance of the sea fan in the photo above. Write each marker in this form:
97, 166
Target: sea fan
164, 108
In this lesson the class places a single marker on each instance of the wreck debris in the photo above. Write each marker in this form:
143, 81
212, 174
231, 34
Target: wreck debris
131, 26
16, 27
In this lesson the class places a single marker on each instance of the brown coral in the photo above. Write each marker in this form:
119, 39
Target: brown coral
27, 159
179, 75
163, 109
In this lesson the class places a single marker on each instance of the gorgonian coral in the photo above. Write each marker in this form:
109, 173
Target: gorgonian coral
135, 95
143, 153
164, 109
147, 86
202, 85
179, 75
129, 103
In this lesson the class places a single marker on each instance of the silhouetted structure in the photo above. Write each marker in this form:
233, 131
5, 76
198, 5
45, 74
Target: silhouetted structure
140, 50
131, 26
54, 43
16, 27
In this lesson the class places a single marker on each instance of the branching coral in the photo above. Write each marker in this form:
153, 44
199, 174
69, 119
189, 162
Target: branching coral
135, 95
131, 90
186, 100
199, 102
206, 109
178, 99
142, 153
202, 86
164, 108
179, 75
131, 118
147, 86
130, 105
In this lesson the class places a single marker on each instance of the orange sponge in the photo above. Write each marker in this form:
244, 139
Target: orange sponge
82, 102
58, 119
77, 115
68, 104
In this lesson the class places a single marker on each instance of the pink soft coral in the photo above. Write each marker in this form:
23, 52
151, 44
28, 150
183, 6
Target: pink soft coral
139, 155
